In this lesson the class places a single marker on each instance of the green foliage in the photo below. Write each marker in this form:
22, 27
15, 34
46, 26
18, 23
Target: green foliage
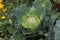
30, 20
46, 4
31, 17
58, 1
